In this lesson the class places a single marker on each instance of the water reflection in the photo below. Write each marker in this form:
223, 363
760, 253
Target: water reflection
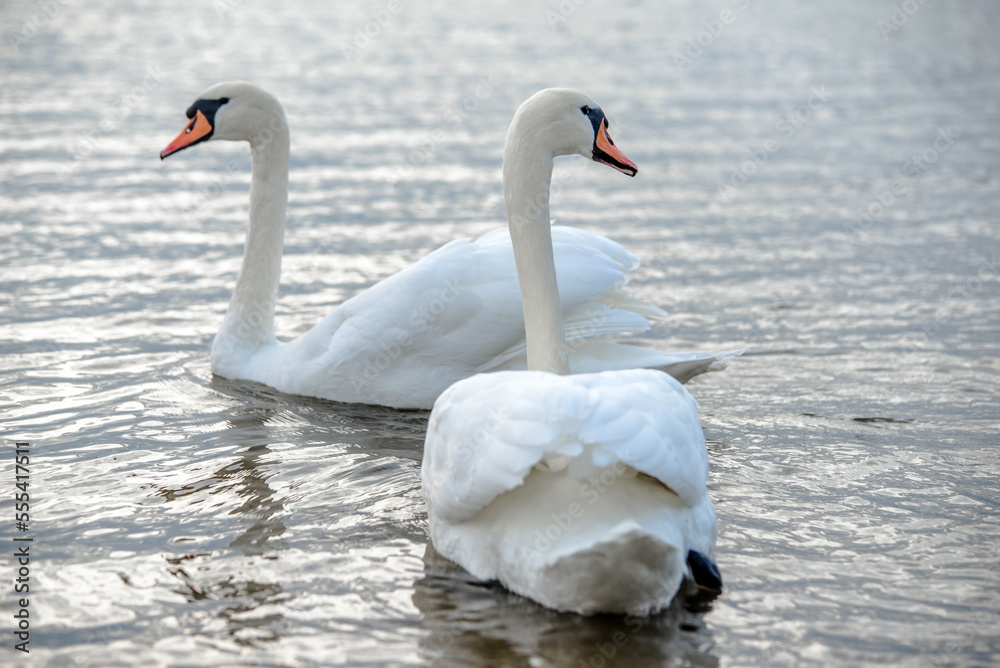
470, 623
371, 428
244, 479
259, 505
186, 520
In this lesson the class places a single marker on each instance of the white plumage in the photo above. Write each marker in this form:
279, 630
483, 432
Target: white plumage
457, 312
586, 493
400, 343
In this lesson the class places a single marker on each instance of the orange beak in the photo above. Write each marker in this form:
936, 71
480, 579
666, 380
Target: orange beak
198, 129
606, 152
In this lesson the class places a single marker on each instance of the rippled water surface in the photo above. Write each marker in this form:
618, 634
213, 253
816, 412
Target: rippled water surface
181, 519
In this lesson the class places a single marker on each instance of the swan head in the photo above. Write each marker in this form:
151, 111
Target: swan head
566, 122
234, 111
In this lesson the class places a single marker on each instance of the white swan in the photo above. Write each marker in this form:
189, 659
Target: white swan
454, 313
586, 493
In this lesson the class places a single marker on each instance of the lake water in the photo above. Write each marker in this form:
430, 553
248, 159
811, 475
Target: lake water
818, 183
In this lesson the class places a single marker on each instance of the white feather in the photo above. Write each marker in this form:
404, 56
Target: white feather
508, 455
400, 343
583, 492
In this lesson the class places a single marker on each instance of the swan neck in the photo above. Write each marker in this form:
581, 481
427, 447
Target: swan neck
249, 322
527, 175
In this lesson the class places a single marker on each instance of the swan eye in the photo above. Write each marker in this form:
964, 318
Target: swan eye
223, 100
586, 110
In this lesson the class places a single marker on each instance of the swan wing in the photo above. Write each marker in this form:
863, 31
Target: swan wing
455, 312
488, 432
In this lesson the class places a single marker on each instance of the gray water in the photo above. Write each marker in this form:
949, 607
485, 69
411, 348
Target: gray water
180, 519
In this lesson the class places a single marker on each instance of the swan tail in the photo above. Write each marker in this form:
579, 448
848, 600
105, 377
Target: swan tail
625, 300
609, 544
627, 571
594, 356
698, 363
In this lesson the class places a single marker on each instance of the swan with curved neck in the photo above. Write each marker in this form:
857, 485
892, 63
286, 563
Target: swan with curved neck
380, 346
586, 493
527, 175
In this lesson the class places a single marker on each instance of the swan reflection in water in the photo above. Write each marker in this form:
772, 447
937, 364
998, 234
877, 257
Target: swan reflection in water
459, 621
471, 623
309, 484
245, 478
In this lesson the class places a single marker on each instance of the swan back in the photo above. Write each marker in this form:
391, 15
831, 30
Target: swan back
585, 493
488, 432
